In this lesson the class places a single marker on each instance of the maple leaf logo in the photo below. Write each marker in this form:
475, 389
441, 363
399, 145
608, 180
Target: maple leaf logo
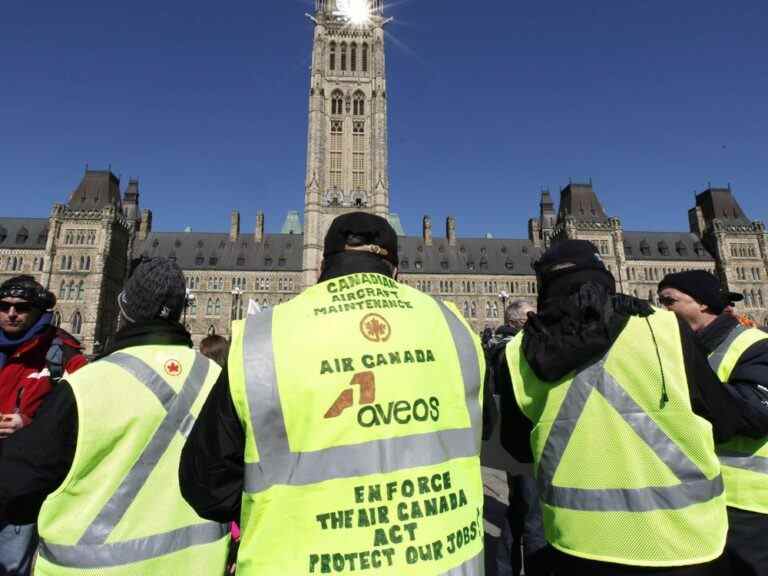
375, 328
172, 368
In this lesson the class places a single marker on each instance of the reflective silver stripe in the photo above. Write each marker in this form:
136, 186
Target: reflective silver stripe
694, 487
718, 354
279, 466
178, 409
470, 369
87, 556
757, 464
472, 567
91, 551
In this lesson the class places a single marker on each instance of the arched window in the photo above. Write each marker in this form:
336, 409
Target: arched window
365, 58
77, 323
760, 298
358, 104
63, 290
337, 102
343, 56
473, 309
747, 299
332, 57
209, 307
466, 308
353, 57
57, 318
218, 307
82, 262
71, 290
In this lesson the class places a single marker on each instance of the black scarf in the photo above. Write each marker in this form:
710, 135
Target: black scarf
572, 331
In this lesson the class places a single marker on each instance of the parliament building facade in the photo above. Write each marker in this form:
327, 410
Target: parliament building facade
83, 249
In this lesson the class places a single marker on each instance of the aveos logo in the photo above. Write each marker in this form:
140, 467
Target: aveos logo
370, 414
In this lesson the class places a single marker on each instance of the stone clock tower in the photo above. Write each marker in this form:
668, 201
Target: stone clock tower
347, 164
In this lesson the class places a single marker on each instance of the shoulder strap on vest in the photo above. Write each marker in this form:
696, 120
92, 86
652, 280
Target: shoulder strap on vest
54, 360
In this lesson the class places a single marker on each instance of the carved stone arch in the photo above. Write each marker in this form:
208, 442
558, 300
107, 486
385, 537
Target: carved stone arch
359, 199
333, 197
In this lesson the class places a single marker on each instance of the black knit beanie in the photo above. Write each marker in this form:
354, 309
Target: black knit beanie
702, 287
156, 289
569, 264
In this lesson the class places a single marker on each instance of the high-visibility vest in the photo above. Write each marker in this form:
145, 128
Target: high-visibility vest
361, 401
744, 460
120, 510
626, 472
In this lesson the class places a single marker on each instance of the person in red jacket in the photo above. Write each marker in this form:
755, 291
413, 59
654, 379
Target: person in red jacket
34, 354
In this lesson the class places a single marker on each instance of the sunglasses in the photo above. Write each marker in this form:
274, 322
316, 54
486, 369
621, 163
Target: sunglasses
20, 307
667, 301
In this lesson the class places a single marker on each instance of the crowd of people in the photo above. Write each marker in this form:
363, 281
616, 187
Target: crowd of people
341, 432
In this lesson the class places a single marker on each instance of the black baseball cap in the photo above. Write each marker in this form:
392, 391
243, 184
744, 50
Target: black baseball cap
362, 232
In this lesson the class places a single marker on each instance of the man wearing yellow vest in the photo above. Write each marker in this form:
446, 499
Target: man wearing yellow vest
104, 449
739, 356
345, 433
620, 407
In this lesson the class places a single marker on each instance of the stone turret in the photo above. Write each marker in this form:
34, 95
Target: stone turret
450, 230
258, 233
426, 227
234, 226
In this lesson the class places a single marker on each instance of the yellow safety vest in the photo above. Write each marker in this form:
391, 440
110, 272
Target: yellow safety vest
626, 472
120, 510
744, 460
361, 401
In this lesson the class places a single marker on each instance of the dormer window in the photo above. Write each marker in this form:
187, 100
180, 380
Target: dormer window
241, 260
199, 259
664, 248
645, 248
681, 248
404, 264
3, 234
22, 236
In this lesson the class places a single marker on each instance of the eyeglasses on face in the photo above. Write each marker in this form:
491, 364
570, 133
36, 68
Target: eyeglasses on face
667, 301
20, 307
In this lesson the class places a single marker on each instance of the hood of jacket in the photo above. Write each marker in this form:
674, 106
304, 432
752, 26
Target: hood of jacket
571, 332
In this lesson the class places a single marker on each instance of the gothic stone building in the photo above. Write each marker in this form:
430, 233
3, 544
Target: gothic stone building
83, 249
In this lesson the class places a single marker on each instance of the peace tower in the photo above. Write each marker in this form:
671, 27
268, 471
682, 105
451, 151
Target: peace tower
347, 165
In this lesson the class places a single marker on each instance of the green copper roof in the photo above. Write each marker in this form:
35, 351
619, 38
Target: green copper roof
292, 224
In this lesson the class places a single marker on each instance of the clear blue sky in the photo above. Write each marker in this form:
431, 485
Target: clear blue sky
205, 102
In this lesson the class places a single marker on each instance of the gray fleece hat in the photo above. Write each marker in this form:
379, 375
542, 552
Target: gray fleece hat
156, 289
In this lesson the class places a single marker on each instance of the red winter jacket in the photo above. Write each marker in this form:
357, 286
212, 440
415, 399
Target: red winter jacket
27, 370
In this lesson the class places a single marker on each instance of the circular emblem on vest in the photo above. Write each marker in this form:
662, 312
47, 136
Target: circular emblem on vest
375, 328
172, 368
